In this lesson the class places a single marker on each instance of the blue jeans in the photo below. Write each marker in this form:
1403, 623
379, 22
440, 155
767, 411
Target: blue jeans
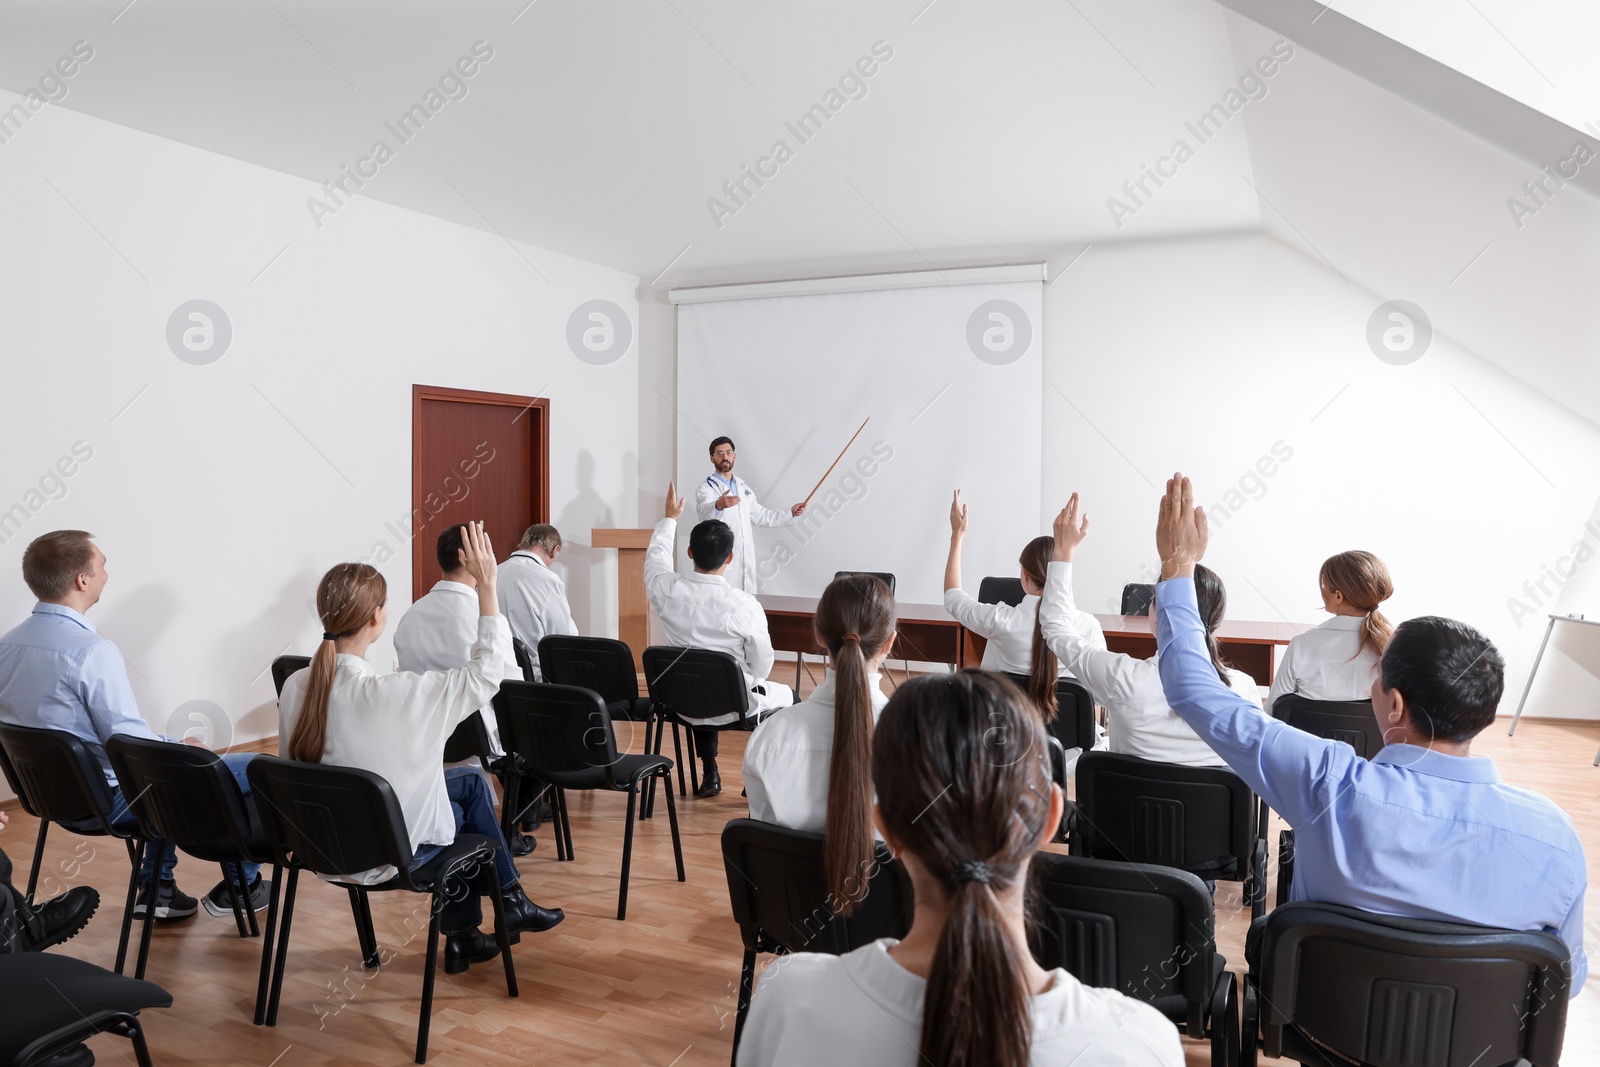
122, 818
472, 803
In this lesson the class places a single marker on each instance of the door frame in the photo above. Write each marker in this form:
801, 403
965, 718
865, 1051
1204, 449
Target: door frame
535, 408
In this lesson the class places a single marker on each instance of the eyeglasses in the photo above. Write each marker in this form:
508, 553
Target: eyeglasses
722, 453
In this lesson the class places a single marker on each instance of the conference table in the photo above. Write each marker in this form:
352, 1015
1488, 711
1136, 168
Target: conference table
929, 634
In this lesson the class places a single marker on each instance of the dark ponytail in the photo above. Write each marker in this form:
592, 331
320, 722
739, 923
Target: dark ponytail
1212, 599
961, 768
1044, 669
855, 621
347, 598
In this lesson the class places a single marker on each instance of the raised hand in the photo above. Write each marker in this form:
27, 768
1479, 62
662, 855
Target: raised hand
1181, 531
1070, 529
958, 516
675, 502
477, 554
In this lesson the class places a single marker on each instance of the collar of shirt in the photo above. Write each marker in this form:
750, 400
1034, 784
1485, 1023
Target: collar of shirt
705, 579
523, 553
729, 483
1479, 769
359, 663
823, 694
449, 588
1342, 622
65, 612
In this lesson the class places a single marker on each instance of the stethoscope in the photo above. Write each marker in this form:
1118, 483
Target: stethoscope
715, 482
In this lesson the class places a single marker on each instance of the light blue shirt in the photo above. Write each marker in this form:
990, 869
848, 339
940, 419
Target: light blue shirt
57, 672
1412, 832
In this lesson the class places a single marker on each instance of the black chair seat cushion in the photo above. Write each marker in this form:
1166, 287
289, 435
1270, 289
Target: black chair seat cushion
626, 769
464, 851
639, 709
754, 718
43, 992
258, 845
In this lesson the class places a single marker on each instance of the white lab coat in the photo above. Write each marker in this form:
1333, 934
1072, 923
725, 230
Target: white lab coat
705, 611
1141, 721
533, 599
1009, 630
437, 633
1322, 663
740, 519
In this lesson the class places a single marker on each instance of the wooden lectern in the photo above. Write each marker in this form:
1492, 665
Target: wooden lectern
633, 608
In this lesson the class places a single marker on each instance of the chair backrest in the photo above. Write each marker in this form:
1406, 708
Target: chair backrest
1073, 725
695, 683
1396, 992
1143, 930
182, 794
780, 900
556, 729
469, 741
284, 666
885, 576
1000, 591
597, 663
1137, 598
1197, 819
1350, 721
58, 778
332, 820
519, 648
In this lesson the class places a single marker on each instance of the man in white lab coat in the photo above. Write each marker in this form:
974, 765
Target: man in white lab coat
438, 631
533, 597
704, 610
724, 496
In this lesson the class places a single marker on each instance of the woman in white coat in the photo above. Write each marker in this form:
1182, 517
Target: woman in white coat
1336, 660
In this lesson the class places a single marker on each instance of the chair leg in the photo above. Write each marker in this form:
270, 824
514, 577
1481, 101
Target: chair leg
38, 858
566, 822
231, 874
283, 947
135, 1034
266, 945
627, 851
509, 804
156, 846
244, 895
677, 751
672, 820
427, 977
501, 937
747, 981
694, 775
136, 858
361, 908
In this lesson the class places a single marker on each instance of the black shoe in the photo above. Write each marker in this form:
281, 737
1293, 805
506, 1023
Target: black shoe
521, 844
463, 950
171, 902
523, 914
219, 902
64, 916
710, 782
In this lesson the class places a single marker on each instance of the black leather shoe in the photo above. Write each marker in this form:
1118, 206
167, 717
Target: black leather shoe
523, 914
64, 916
710, 783
521, 844
463, 950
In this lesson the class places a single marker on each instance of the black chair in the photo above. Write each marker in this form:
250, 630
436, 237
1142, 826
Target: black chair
54, 1003
605, 666
58, 780
563, 734
1197, 819
1337, 986
690, 685
1073, 725
1137, 598
187, 797
782, 904
519, 648
1146, 931
342, 821
284, 666
1000, 591
1350, 721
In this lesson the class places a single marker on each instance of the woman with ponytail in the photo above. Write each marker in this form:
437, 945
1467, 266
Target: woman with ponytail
340, 711
964, 800
1337, 659
1141, 721
808, 766
1016, 645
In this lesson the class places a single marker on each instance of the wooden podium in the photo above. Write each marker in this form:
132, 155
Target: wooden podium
633, 608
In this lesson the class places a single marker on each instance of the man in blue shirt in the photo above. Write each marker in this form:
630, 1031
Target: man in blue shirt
1424, 829
58, 672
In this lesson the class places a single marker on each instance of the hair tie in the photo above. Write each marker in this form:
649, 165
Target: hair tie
326, 636
852, 637
970, 871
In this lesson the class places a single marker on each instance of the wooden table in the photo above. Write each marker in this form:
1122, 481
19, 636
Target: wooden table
929, 634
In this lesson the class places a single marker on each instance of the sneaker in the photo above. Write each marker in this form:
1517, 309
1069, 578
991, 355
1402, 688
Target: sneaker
171, 902
219, 904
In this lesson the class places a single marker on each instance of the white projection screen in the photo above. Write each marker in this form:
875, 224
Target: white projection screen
950, 378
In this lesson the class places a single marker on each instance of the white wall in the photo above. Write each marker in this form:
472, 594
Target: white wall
222, 492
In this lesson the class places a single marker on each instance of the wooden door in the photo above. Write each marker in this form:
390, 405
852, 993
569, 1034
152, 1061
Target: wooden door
475, 456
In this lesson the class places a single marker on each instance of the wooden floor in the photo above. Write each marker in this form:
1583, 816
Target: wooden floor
658, 989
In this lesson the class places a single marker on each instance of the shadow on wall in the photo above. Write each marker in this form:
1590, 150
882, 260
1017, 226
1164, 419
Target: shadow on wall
136, 621
586, 510
285, 628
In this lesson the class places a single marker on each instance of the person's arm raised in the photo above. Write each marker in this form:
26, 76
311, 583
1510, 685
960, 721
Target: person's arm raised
477, 556
958, 532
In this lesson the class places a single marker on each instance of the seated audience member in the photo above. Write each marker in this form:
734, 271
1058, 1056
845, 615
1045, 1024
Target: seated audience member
807, 767
964, 800
532, 595
57, 672
701, 610
1336, 660
1424, 829
1138, 718
342, 712
26, 927
438, 630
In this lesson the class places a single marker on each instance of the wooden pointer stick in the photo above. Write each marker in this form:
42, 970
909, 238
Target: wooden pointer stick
829, 471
